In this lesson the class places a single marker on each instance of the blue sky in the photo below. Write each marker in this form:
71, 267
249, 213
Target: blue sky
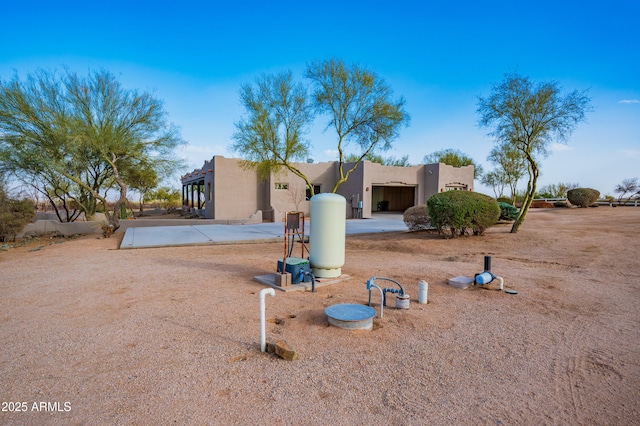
440, 56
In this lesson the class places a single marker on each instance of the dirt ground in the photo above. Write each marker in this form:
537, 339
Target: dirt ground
95, 335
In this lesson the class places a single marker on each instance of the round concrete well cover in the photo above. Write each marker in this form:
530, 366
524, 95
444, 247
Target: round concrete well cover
351, 316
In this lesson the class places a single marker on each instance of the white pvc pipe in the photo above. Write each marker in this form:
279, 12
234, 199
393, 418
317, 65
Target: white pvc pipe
263, 332
423, 290
501, 281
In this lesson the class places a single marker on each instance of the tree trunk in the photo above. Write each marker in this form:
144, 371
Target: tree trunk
514, 194
528, 199
114, 220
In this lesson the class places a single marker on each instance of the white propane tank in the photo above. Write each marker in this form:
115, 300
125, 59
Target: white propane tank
327, 236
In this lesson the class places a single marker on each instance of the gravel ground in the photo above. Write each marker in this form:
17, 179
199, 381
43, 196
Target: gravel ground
95, 335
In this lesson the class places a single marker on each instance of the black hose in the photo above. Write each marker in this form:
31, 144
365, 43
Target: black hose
290, 242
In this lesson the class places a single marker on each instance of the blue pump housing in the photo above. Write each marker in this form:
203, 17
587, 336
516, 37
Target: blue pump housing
484, 278
298, 268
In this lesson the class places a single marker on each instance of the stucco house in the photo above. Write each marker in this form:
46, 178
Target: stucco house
223, 190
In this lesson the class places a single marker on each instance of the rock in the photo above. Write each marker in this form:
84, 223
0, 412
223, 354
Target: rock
285, 351
271, 348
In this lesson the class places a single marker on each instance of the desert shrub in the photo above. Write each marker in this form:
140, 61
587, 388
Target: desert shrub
504, 200
164, 197
14, 216
583, 197
556, 190
507, 211
544, 195
417, 218
462, 211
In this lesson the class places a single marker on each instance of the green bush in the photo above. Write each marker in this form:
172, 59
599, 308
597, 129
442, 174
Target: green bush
14, 216
507, 211
545, 195
164, 197
504, 200
582, 197
462, 211
417, 218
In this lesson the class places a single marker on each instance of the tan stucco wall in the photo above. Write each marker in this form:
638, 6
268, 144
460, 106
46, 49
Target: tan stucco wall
235, 189
294, 197
363, 181
378, 178
233, 193
443, 175
354, 189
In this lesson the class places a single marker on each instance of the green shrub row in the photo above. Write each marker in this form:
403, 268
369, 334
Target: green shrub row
462, 212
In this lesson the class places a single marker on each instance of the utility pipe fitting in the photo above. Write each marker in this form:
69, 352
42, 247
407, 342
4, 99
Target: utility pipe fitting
487, 276
383, 296
370, 286
263, 332
399, 292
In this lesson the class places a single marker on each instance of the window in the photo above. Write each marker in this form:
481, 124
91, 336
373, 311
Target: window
455, 186
282, 186
316, 190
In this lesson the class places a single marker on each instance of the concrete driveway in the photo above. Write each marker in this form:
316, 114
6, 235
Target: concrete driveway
201, 234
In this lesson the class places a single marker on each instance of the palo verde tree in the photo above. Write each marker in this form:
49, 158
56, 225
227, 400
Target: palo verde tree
67, 200
496, 179
360, 108
143, 180
89, 130
14, 213
271, 135
628, 186
377, 158
455, 158
36, 112
527, 117
511, 166
557, 190
165, 197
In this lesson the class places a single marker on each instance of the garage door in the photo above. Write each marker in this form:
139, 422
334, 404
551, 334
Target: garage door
392, 198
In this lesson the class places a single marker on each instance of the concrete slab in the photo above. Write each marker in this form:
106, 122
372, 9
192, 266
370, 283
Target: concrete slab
197, 234
161, 236
269, 279
376, 224
229, 233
